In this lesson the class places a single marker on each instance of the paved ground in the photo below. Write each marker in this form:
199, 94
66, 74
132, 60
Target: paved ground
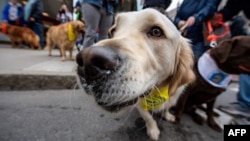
25, 65
71, 115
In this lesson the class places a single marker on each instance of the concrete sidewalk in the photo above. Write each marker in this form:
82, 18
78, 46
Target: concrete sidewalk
72, 115
26, 69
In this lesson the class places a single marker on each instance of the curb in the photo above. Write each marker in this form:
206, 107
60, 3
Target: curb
38, 81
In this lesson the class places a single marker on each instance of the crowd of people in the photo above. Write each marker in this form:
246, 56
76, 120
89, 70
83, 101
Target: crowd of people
30, 15
98, 16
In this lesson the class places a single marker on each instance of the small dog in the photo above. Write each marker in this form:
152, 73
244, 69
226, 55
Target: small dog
19, 34
64, 36
213, 71
141, 61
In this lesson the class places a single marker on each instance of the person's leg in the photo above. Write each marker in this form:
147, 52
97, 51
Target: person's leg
198, 49
105, 23
242, 106
91, 16
244, 93
38, 29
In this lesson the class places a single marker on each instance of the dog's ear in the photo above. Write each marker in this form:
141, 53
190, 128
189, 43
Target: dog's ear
78, 25
222, 50
184, 67
111, 31
113, 27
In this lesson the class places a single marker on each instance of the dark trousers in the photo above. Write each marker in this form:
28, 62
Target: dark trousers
38, 29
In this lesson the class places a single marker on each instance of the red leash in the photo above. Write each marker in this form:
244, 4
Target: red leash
212, 37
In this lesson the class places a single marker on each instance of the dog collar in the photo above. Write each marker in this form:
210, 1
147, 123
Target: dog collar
4, 28
155, 99
213, 74
71, 35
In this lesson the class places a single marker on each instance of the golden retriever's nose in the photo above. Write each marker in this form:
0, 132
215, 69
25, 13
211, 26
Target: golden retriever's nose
98, 61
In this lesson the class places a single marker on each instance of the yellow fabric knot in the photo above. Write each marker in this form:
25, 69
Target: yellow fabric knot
155, 99
71, 35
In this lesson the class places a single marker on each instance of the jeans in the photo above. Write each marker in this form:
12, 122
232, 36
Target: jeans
38, 29
244, 91
95, 19
199, 48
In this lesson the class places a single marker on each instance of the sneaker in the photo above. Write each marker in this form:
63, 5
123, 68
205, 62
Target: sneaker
241, 121
235, 109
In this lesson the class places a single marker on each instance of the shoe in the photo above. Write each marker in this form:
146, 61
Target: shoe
241, 121
235, 109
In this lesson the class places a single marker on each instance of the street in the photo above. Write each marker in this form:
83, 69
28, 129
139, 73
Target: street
72, 115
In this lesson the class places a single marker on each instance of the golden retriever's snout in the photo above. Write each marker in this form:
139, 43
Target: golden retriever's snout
98, 62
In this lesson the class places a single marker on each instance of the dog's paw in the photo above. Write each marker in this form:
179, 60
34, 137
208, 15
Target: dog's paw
153, 133
197, 118
177, 120
214, 125
169, 117
63, 59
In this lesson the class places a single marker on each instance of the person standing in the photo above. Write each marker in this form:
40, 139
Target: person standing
192, 14
13, 13
98, 15
33, 18
77, 15
64, 15
126, 6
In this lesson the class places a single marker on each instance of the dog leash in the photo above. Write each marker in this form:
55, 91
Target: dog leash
183, 29
212, 37
77, 42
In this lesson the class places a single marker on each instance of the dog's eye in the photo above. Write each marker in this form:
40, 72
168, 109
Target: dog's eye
155, 32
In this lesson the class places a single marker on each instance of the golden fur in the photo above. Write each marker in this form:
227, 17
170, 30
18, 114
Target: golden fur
58, 35
19, 34
152, 54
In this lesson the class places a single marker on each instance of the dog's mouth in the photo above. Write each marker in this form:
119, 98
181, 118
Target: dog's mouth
107, 75
117, 107
93, 90
120, 106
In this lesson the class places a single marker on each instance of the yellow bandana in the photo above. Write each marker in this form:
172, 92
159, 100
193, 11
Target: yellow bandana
71, 35
155, 99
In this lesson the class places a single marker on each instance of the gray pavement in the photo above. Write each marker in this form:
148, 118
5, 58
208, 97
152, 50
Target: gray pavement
71, 115
19, 67
47, 113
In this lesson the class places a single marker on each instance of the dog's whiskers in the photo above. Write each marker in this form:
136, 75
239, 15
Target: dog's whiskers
127, 115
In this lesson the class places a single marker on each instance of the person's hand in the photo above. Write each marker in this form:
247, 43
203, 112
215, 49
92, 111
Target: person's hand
181, 23
216, 19
191, 21
32, 19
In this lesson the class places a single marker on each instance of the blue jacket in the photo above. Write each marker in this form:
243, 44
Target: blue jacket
36, 11
6, 14
99, 4
202, 10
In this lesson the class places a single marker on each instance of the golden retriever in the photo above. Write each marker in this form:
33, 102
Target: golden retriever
19, 34
145, 57
64, 36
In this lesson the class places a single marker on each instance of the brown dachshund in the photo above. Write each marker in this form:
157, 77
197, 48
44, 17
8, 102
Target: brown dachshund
213, 69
